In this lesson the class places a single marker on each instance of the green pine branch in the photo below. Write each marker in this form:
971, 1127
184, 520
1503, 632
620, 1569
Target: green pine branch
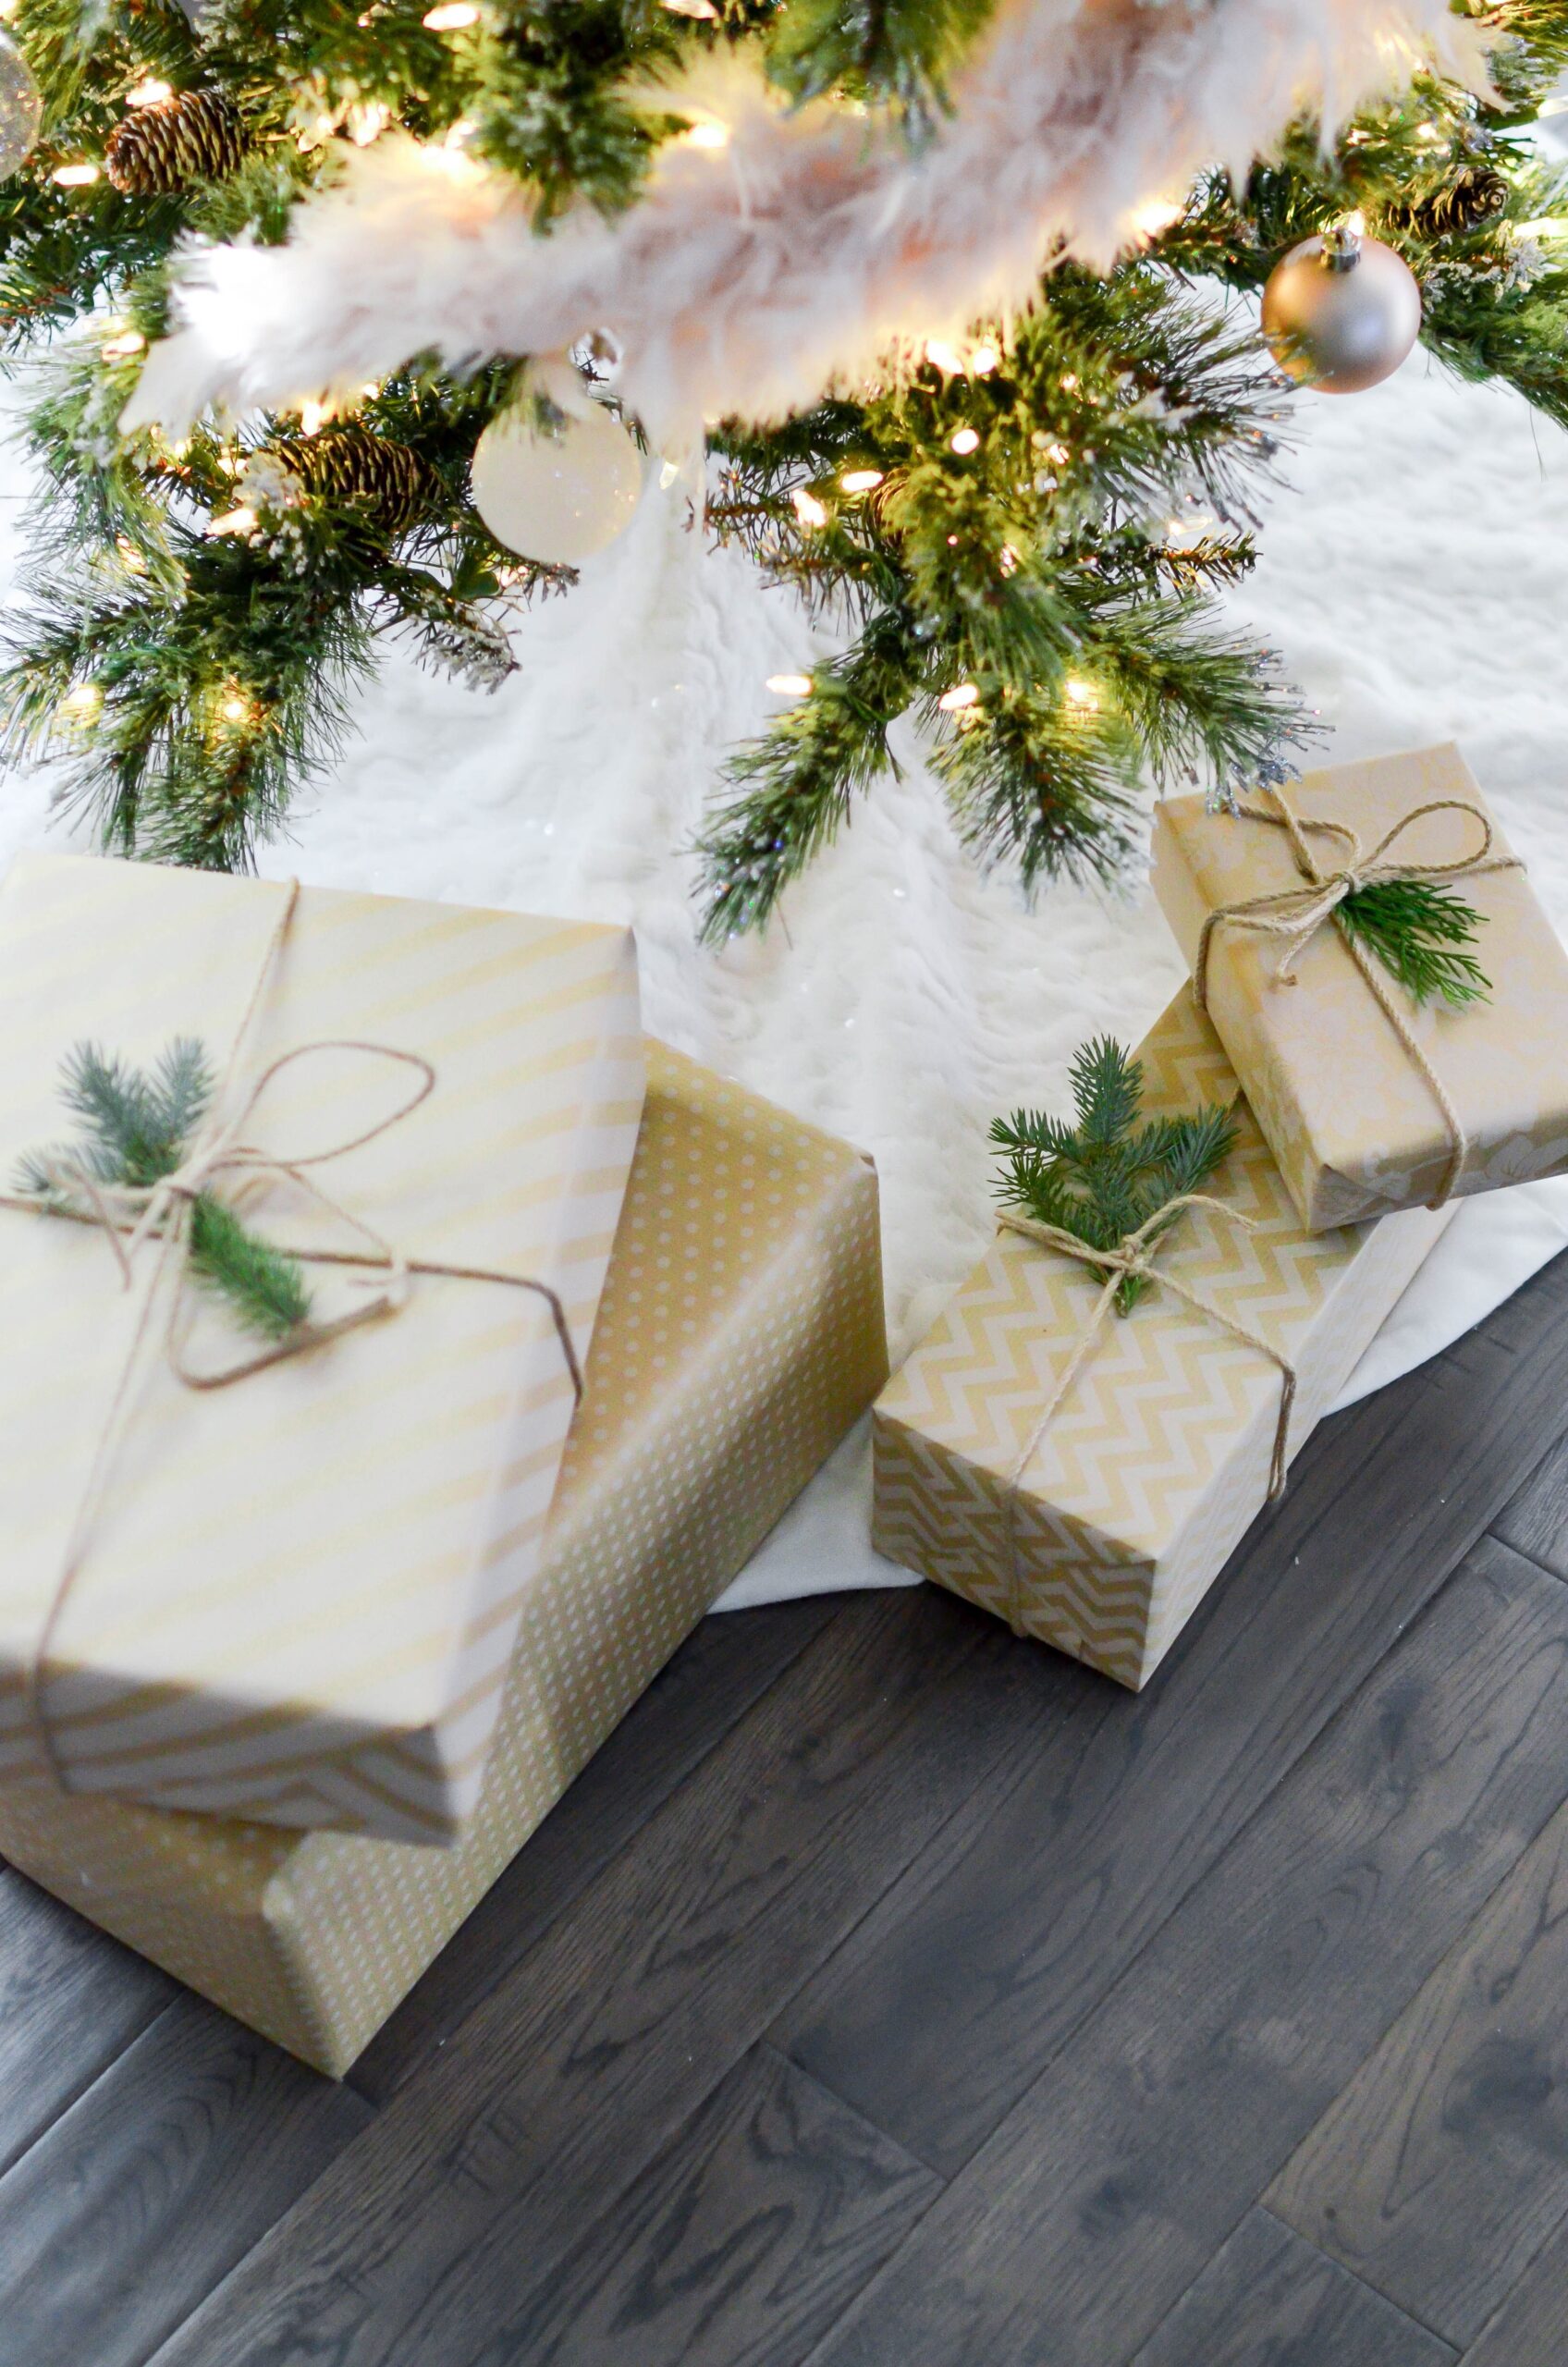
1421, 933
1106, 1175
136, 1127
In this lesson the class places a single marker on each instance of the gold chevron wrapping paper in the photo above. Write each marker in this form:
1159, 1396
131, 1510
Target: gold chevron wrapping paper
740, 1334
1157, 1459
1346, 1111
299, 1596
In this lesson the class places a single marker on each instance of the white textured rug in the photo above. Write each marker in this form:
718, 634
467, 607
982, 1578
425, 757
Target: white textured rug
1414, 580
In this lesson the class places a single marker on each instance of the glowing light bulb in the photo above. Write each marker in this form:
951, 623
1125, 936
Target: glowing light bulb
808, 509
983, 360
450, 17
81, 176
150, 93
1070, 383
962, 695
708, 133
944, 357
1058, 454
1080, 694
128, 342
1157, 215
790, 686
963, 439
238, 521
235, 710
1007, 559
84, 702
368, 122
313, 417
861, 480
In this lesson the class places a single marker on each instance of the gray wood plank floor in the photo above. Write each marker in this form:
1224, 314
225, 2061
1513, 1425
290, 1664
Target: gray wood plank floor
889, 1994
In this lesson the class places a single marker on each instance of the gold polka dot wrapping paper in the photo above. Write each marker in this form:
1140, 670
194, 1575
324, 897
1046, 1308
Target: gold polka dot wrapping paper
1355, 1128
739, 1336
295, 1599
1157, 1459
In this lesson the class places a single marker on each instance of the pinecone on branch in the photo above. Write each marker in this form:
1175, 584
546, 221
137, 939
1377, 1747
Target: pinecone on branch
1477, 196
193, 136
393, 484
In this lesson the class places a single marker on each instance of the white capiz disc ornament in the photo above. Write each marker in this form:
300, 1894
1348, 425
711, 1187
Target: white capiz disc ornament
556, 496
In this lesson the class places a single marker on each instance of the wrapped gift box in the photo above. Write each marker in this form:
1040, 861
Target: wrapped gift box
1351, 1120
295, 1596
1157, 1459
740, 1334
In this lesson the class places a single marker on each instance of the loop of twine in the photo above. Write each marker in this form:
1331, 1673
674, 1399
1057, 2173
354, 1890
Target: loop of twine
130, 1215
1297, 914
1133, 1255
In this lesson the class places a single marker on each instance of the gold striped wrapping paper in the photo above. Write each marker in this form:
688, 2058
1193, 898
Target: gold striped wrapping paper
740, 1334
298, 1599
1346, 1111
1157, 1459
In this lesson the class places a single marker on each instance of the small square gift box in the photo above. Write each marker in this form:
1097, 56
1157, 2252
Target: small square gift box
1085, 1473
740, 1334
1390, 994
293, 1326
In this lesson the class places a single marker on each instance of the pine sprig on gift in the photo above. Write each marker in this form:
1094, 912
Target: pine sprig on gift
1418, 931
1105, 1176
136, 1128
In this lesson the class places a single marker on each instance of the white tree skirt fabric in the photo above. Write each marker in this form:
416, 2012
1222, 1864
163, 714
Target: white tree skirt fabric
1412, 578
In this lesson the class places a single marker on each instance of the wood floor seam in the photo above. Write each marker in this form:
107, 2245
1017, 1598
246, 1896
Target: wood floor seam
764, 2046
105, 2071
1496, 1537
1367, 2284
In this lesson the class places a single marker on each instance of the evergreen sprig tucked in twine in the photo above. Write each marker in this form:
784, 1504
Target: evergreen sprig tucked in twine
136, 1130
1418, 931
1107, 1176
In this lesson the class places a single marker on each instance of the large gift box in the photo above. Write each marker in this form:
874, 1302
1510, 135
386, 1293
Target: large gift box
1348, 1097
296, 1596
1098, 1525
740, 1334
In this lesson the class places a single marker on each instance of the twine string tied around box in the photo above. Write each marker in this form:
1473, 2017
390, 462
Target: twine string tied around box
1297, 913
132, 1217
1133, 1256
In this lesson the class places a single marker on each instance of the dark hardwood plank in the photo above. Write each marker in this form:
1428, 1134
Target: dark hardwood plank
961, 1987
1536, 1522
1531, 2328
1269, 2300
71, 2000
739, 2245
439, 2227
1112, 2182
1441, 2169
144, 2194
723, 1667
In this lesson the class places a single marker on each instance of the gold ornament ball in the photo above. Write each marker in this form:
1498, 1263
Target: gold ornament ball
21, 108
1340, 312
555, 497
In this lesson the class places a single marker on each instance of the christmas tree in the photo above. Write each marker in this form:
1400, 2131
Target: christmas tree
334, 326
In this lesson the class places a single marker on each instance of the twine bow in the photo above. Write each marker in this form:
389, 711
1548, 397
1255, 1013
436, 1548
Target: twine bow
1297, 913
133, 1216
1134, 1255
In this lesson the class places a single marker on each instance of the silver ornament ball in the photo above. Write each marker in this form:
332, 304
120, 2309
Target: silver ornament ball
1340, 312
557, 497
21, 108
